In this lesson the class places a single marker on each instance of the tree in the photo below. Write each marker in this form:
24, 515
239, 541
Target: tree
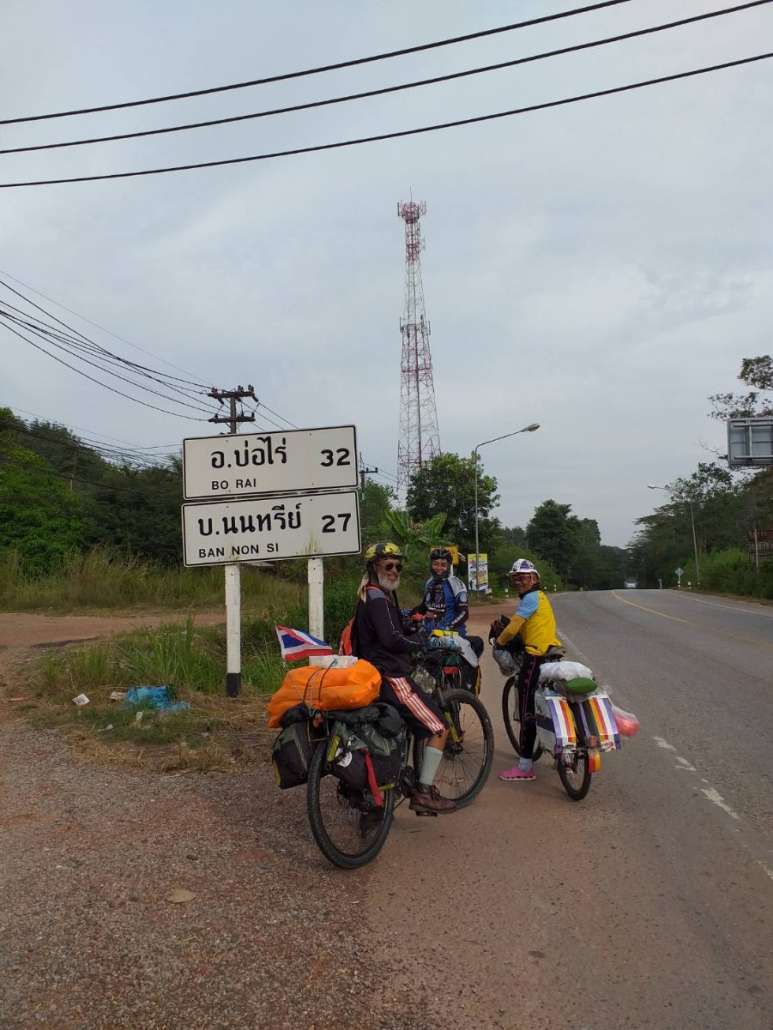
413, 537
447, 484
757, 373
375, 501
552, 533
40, 516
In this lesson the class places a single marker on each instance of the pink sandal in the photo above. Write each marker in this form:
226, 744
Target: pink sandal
516, 774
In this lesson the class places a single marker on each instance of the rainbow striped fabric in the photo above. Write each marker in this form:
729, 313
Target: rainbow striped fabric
593, 716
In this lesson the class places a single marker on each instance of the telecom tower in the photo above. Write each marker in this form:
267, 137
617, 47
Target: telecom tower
419, 436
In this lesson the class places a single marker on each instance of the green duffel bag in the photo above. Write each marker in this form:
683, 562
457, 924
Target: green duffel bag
580, 686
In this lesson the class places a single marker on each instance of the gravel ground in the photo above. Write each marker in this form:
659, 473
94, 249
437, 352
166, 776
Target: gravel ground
274, 937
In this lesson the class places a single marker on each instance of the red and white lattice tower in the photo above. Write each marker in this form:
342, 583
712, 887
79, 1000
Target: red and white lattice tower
419, 436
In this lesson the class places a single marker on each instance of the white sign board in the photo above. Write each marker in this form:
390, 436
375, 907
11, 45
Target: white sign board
270, 528
750, 442
268, 463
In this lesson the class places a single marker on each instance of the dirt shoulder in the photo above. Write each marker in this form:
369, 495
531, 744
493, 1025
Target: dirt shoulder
268, 934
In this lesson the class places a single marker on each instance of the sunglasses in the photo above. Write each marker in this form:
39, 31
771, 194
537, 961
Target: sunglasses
389, 566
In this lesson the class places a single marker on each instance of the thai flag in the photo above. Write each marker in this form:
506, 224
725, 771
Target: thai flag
296, 645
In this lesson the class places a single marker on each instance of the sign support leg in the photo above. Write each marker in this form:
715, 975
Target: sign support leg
317, 598
233, 628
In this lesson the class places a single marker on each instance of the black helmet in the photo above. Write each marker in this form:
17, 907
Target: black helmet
445, 554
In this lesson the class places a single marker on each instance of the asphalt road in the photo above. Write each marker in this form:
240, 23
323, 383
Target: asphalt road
648, 904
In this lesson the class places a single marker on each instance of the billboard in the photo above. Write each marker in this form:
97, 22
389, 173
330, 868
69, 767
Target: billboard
750, 442
477, 572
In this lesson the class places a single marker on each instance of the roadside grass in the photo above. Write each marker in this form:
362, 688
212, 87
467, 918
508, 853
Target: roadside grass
99, 580
216, 732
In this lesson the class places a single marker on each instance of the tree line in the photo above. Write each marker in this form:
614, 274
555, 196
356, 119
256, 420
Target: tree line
722, 517
59, 495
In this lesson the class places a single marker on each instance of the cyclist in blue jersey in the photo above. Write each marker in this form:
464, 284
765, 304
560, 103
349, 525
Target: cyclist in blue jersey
445, 599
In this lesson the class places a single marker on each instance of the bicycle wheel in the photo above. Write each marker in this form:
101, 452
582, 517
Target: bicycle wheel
469, 750
512, 718
575, 776
348, 828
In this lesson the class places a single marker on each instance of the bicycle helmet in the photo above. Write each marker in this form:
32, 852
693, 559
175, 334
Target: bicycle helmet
524, 565
383, 550
445, 554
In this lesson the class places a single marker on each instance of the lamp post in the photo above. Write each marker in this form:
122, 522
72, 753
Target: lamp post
688, 502
526, 429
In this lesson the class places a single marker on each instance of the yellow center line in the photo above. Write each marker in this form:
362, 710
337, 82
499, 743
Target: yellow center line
696, 625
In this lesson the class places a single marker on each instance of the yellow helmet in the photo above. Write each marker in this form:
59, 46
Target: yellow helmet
383, 550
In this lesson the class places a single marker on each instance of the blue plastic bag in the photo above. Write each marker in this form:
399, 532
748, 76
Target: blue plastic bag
156, 697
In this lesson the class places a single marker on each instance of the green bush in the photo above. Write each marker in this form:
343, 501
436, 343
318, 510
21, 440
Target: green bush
732, 572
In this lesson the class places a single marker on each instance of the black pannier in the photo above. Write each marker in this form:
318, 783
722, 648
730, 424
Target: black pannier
293, 747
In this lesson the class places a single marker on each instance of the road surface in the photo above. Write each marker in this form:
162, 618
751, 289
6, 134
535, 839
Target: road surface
648, 904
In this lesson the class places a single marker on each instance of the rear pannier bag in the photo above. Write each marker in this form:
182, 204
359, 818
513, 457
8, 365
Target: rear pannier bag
291, 755
385, 752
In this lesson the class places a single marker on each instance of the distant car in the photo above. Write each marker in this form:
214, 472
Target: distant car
631, 584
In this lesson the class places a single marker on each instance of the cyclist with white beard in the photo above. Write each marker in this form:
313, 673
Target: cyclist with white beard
381, 641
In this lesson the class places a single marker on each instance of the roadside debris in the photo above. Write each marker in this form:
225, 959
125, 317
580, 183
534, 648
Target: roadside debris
117, 695
157, 697
81, 699
180, 896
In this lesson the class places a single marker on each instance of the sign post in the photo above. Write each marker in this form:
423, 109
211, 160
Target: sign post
679, 573
269, 497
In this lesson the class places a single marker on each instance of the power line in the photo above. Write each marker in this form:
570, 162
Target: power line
51, 337
309, 105
99, 382
86, 339
381, 137
105, 437
77, 443
321, 68
97, 325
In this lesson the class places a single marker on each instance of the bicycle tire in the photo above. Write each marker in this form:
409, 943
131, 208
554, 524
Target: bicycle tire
319, 821
575, 793
512, 721
446, 781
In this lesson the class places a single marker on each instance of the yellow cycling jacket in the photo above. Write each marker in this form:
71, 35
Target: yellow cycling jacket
535, 621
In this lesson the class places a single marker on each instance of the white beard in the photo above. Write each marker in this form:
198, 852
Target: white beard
386, 584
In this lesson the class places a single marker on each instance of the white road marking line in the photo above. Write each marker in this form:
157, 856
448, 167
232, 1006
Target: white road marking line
664, 744
716, 798
684, 764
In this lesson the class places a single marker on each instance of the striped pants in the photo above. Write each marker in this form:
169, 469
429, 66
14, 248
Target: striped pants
419, 711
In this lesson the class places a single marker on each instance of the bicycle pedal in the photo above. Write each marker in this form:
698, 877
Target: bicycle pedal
432, 815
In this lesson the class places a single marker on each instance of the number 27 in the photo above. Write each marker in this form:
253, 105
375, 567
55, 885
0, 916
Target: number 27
329, 522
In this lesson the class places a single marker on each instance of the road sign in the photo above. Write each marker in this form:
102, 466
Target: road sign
679, 572
270, 528
267, 463
750, 442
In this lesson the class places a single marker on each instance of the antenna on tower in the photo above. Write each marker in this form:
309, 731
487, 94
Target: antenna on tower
419, 440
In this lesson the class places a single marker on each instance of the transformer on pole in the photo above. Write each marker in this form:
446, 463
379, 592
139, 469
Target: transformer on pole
419, 439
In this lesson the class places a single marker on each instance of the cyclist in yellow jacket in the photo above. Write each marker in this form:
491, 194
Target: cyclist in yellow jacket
535, 623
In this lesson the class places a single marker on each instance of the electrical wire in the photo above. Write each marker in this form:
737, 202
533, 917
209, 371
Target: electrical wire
51, 338
86, 339
401, 134
391, 89
97, 325
115, 488
99, 382
79, 444
43, 419
322, 68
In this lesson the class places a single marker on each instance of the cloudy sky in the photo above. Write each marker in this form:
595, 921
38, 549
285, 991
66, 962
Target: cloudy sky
599, 268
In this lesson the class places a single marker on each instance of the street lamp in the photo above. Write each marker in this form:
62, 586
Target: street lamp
526, 429
688, 502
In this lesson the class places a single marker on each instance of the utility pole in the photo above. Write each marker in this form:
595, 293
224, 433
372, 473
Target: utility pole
364, 470
233, 590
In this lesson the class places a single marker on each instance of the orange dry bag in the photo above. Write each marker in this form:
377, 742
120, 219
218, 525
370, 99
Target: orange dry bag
325, 689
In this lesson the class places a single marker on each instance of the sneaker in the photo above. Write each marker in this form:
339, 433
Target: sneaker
429, 799
516, 773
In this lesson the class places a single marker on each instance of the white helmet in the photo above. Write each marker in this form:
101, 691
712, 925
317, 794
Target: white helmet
524, 565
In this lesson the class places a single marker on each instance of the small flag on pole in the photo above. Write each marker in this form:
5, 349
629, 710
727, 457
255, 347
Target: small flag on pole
296, 645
